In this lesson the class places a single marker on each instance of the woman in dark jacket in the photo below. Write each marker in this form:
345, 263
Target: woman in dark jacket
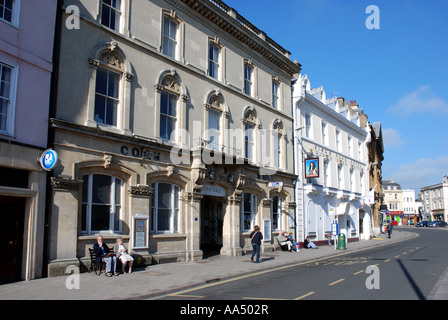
256, 238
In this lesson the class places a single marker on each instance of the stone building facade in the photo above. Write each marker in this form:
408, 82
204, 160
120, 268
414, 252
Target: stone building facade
173, 125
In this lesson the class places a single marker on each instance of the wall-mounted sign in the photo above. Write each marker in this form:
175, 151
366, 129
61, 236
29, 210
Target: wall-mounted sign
275, 184
140, 232
312, 168
213, 190
48, 160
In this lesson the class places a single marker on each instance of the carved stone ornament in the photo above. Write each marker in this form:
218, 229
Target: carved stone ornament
107, 160
170, 82
140, 190
67, 184
110, 58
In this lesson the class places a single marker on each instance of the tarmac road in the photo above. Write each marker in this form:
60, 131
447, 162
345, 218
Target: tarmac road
407, 270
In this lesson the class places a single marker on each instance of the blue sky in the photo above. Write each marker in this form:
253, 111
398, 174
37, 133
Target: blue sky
398, 73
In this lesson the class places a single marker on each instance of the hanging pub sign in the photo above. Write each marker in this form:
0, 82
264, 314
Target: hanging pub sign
312, 168
48, 160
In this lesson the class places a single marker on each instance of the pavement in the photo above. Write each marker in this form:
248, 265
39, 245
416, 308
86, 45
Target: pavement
158, 280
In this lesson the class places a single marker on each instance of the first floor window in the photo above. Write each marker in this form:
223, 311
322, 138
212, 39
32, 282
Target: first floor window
107, 96
168, 114
101, 203
249, 211
249, 143
277, 150
5, 95
214, 131
276, 209
165, 208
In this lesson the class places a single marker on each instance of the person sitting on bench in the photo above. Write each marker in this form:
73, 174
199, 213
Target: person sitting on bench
283, 240
103, 253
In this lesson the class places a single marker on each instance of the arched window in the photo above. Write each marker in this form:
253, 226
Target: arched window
101, 203
110, 83
250, 125
277, 144
165, 208
169, 97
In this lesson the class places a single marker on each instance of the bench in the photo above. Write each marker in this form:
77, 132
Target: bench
95, 266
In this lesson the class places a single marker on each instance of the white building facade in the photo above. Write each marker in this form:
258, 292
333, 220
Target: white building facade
435, 200
328, 133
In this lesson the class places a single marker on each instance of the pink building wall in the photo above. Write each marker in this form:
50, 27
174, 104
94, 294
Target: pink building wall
28, 45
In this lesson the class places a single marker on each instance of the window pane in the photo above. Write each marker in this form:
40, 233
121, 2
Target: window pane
101, 81
105, 16
100, 109
114, 80
111, 115
164, 196
101, 188
100, 217
163, 220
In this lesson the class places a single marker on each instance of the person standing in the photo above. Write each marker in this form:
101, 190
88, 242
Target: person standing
389, 229
256, 237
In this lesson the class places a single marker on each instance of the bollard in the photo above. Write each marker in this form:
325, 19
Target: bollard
341, 242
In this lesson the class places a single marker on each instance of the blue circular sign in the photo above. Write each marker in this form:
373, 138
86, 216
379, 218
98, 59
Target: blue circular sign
49, 159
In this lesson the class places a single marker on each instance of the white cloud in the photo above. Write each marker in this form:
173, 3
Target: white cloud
424, 172
423, 100
392, 138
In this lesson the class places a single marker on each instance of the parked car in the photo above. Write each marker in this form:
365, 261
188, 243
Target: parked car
422, 224
437, 224
440, 224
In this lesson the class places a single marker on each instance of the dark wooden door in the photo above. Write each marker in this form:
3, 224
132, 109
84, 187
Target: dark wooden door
12, 216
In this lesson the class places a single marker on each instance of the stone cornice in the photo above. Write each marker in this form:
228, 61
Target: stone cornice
216, 13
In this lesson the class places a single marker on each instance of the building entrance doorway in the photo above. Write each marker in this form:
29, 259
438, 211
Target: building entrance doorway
211, 226
12, 216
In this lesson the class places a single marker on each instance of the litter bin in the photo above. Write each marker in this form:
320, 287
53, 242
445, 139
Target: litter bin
341, 242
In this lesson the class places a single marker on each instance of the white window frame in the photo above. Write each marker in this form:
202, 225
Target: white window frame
275, 94
117, 100
249, 141
113, 205
167, 37
214, 63
324, 133
169, 117
118, 20
15, 16
308, 126
248, 81
174, 210
10, 114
